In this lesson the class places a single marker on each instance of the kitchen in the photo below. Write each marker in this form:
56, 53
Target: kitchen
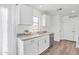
36, 29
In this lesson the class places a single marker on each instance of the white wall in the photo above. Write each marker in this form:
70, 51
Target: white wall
76, 28
55, 27
0, 34
21, 28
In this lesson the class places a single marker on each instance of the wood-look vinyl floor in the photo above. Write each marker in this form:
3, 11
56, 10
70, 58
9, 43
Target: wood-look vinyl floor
64, 47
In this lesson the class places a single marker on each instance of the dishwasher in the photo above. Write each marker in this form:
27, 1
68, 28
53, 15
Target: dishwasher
51, 40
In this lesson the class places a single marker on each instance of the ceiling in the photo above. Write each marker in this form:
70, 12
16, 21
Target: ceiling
67, 9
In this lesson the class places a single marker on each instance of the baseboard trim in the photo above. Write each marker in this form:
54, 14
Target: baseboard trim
67, 40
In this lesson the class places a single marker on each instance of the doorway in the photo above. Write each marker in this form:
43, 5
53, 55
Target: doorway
69, 28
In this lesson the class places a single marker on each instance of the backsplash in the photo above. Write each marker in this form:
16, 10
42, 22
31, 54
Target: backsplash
43, 28
21, 28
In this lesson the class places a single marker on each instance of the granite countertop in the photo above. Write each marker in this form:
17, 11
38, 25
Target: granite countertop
28, 37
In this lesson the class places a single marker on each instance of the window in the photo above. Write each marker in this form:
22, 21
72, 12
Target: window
35, 24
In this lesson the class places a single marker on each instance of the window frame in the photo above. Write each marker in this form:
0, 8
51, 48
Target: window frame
35, 30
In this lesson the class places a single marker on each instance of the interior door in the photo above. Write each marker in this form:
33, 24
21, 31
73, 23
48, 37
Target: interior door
68, 29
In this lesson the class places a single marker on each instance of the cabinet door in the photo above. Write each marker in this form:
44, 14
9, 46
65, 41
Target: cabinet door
46, 39
26, 14
43, 43
31, 47
44, 20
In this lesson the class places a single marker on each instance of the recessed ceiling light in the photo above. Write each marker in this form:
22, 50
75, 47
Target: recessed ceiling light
41, 6
73, 11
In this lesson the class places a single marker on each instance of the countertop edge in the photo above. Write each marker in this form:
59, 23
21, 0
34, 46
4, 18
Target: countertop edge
30, 37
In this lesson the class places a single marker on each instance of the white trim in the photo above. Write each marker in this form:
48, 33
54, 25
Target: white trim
4, 14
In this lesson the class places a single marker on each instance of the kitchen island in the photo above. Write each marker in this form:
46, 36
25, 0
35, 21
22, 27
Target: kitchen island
33, 44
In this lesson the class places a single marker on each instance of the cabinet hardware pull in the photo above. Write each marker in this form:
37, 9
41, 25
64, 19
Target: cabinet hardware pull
45, 41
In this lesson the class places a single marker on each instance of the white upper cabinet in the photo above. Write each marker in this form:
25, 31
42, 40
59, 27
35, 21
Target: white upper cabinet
45, 22
25, 15
45, 19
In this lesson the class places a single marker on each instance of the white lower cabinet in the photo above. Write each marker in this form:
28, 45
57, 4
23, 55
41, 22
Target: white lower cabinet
43, 43
31, 47
46, 45
34, 46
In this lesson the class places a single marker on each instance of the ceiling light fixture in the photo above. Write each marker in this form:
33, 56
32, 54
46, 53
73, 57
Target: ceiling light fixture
41, 6
59, 11
73, 11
